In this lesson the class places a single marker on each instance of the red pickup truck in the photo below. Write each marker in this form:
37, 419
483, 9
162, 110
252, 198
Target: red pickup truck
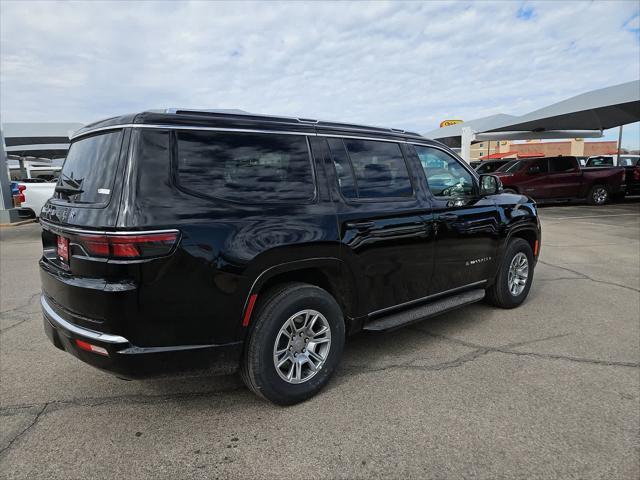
562, 178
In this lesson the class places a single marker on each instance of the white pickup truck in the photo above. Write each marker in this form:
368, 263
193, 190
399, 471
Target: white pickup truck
36, 194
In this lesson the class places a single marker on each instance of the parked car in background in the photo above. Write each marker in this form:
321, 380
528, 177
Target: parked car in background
16, 194
561, 179
474, 163
36, 193
490, 166
631, 164
601, 161
611, 160
190, 239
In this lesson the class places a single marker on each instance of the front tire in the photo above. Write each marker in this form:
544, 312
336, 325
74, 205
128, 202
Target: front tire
295, 344
514, 278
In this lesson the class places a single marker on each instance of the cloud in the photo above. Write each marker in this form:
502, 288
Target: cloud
406, 65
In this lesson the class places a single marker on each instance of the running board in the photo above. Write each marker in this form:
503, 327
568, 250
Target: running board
396, 320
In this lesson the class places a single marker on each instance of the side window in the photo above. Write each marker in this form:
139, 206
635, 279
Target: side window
446, 177
343, 168
562, 164
540, 166
245, 167
370, 169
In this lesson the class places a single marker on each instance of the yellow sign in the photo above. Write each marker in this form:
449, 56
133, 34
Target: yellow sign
448, 123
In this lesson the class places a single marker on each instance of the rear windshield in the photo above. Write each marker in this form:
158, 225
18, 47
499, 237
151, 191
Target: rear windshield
89, 169
600, 162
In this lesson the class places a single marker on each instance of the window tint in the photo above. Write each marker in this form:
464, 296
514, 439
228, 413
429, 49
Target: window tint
562, 164
343, 168
90, 168
379, 168
245, 167
542, 164
445, 175
489, 167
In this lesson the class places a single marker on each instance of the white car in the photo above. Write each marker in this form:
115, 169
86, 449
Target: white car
611, 160
36, 194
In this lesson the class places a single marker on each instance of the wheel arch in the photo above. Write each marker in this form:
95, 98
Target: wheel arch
330, 274
529, 233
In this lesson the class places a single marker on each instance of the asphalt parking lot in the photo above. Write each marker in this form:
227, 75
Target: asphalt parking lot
550, 390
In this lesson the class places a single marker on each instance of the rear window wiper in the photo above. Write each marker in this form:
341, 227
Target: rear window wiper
68, 190
70, 181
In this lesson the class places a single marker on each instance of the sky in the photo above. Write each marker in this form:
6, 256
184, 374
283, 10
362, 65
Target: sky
402, 65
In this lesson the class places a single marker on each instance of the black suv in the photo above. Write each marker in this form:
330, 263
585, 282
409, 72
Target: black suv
193, 239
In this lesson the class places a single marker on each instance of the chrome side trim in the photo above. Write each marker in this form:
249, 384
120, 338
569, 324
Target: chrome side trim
51, 226
186, 127
427, 298
83, 332
246, 130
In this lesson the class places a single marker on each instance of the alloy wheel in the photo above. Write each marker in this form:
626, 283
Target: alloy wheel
302, 346
518, 274
600, 195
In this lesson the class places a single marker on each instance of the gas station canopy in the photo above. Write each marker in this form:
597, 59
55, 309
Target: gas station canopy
585, 115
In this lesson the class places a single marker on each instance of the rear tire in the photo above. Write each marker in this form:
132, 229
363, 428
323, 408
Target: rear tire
598, 195
284, 322
508, 291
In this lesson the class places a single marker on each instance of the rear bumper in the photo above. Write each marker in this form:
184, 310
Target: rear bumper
129, 361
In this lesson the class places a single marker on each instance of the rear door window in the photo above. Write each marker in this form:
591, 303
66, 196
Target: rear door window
89, 170
562, 164
542, 165
245, 167
370, 169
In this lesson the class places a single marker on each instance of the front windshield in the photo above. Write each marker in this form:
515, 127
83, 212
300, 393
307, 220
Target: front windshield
511, 166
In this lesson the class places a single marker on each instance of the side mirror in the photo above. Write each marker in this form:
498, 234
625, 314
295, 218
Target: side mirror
490, 185
533, 170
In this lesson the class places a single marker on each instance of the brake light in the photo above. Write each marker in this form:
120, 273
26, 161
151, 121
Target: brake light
22, 188
63, 249
136, 246
636, 173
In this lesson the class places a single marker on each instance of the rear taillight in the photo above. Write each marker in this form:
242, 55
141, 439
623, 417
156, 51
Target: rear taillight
636, 174
92, 348
124, 247
20, 196
63, 249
